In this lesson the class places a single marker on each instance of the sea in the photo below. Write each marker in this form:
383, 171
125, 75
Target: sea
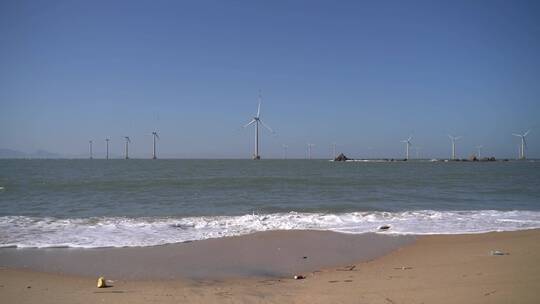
124, 203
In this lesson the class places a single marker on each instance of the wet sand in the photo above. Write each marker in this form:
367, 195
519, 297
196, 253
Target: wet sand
433, 269
262, 254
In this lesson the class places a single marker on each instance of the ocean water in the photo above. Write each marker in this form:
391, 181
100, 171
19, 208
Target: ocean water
104, 203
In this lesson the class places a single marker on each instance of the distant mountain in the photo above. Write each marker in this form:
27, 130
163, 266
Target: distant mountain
44, 154
9, 153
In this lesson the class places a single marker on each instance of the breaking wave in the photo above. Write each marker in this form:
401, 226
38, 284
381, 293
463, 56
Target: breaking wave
46, 232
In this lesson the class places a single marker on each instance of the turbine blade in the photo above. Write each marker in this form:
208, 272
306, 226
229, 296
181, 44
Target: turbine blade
527, 132
266, 126
410, 137
249, 123
259, 108
518, 135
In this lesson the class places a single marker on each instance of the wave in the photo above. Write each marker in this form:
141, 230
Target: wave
47, 232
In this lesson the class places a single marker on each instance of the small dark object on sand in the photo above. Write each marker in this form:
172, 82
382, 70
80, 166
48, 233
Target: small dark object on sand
299, 277
384, 227
304, 257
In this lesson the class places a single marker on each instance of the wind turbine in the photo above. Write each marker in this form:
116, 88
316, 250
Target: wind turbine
417, 148
107, 141
453, 139
479, 150
285, 147
154, 150
407, 144
523, 143
309, 146
128, 141
90, 143
257, 120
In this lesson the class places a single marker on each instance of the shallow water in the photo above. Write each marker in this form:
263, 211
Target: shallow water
98, 203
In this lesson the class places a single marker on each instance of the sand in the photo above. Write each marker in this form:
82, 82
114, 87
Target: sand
434, 269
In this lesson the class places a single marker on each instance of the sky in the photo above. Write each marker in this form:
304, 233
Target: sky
362, 74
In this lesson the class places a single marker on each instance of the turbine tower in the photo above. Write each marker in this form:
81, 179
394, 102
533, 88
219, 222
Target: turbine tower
334, 150
453, 139
128, 141
309, 146
90, 143
523, 143
107, 154
285, 147
257, 120
155, 135
407, 146
417, 148
479, 150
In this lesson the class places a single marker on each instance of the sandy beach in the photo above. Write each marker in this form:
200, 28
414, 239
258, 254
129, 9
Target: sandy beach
433, 269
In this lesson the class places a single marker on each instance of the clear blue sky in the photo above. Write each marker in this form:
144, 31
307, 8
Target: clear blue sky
363, 74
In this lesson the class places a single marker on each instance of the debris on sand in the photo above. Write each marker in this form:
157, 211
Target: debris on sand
384, 227
101, 283
403, 268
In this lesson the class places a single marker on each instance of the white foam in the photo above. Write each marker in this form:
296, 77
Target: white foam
22, 231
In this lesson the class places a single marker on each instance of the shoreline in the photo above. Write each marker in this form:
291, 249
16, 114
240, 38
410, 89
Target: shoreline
432, 269
269, 254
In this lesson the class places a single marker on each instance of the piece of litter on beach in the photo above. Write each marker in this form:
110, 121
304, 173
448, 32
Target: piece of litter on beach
101, 283
498, 252
384, 227
304, 257
299, 277
347, 268
403, 268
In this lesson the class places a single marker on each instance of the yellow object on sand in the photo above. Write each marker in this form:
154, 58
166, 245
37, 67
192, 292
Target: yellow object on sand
101, 282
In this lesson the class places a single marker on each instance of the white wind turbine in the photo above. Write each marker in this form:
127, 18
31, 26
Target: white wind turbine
285, 148
128, 141
453, 139
257, 120
309, 146
408, 145
479, 148
107, 154
90, 143
155, 135
523, 143
417, 148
